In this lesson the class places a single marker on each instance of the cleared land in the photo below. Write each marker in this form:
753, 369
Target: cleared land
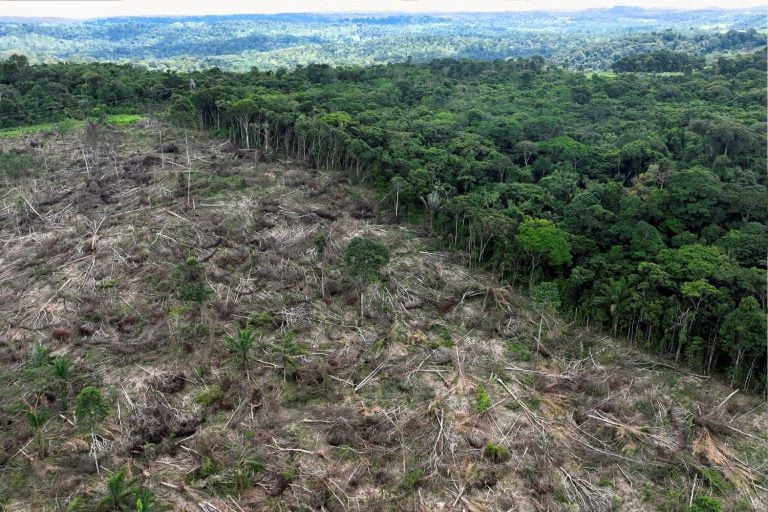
453, 393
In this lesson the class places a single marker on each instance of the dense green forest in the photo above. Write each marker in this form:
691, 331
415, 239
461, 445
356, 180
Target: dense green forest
585, 40
635, 202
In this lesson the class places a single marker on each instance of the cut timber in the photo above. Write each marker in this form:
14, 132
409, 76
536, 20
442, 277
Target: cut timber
542, 350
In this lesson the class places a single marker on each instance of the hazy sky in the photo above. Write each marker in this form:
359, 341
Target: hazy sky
99, 8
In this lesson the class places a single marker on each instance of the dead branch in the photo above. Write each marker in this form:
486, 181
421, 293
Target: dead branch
371, 375
296, 450
721, 404
587, 496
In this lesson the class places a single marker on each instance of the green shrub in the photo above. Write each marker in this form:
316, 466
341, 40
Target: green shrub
412, 479
320, 242
76, 504
150, 451
705, 504
67, 125
518, 351
444, 338
208, 467
210, 396
546, 295
12, 164
379, 345
193, 330
533, 403
120, 492
189, 282
264, 319
715, 479
482, 399
290, 474
105, 284
146, 502
363, 260
344, 452
245, 471
496, 452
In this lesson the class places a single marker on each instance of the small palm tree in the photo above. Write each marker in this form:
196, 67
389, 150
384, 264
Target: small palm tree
241, 344
36, 422
146, 502
616, 295
434, 201
246, 467
39, 357
120, 491
289, 353
62, 371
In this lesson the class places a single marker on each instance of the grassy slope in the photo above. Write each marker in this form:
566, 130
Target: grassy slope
86, 266
71, 124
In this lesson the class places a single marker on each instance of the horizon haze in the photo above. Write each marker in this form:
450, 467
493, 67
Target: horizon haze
90, 9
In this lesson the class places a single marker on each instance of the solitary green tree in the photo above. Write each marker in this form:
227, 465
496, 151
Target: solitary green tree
363, 261
321, 242
190, 284
91, 408
182, 111
289, 353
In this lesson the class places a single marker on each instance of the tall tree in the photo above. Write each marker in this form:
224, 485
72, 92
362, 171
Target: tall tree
363, 260
744, 334
541, 240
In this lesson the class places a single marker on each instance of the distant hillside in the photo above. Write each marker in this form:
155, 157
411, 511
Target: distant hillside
590, 39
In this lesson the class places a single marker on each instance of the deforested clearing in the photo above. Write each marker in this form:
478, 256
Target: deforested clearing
203, 294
